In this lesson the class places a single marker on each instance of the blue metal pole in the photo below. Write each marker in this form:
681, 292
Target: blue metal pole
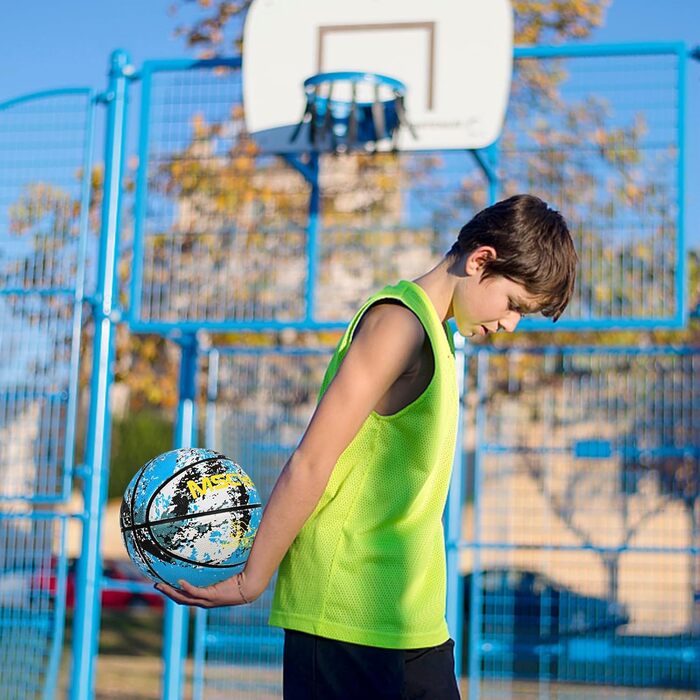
681, 273
200, 621
84, 227
643, 48
105, 313
177, 616
59, 618
453, 519
312, 238
487, 159
695, 55
200, 630
475, 591
310, 171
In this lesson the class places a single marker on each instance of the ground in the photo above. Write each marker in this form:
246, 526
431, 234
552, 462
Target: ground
129, 668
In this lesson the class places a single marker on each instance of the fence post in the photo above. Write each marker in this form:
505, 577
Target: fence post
453, 517
310, 171
177, 616
106, 315
475, 617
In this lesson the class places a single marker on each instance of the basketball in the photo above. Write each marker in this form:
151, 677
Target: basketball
190, 514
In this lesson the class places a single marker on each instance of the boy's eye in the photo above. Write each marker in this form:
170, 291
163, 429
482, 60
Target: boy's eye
518, 309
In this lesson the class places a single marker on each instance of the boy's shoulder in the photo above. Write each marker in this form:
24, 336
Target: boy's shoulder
389, 322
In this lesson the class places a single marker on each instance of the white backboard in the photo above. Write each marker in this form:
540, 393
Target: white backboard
455, 57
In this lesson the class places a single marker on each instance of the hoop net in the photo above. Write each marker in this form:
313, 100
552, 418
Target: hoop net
353, 110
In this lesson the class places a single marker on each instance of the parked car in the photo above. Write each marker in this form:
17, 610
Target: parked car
125, 570
19, 588
528, 620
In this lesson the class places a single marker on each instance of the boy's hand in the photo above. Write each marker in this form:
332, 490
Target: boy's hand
232, 591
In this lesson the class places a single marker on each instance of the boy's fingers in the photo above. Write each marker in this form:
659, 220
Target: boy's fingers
196, 591
184, 598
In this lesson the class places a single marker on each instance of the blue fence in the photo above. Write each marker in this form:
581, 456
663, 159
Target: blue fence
45, 151
581, 128
223, 240
578, 544
259, 402
580, 529
600, 133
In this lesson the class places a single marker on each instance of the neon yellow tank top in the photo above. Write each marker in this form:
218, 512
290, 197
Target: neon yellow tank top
368, 566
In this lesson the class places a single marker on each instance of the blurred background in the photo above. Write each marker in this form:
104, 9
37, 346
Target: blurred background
163, 283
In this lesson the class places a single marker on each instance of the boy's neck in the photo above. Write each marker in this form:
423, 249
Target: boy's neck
439, 284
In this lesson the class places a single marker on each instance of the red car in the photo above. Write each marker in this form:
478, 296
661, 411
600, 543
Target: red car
112, 598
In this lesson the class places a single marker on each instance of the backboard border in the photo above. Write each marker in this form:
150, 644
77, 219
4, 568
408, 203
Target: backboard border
324, 30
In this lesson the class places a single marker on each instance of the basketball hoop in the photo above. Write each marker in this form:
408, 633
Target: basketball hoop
350, 110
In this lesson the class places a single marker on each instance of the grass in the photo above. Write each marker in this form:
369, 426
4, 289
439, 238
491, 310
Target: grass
130, 632
129, 665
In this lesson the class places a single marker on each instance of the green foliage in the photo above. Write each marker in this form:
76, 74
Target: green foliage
136, 438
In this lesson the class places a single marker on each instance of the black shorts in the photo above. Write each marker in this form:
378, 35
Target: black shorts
316, 668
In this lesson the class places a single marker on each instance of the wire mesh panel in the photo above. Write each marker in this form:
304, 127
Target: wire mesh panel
225, 238
598, 133
32, 605
45, 143
260, 403
387, 217
220, 233
44, 146
582, 533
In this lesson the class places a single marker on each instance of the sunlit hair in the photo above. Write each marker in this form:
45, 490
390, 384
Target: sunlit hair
533, 248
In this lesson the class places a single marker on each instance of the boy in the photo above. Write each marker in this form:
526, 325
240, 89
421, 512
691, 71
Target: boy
354, 520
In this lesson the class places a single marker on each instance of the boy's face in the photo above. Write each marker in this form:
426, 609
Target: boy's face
482, 306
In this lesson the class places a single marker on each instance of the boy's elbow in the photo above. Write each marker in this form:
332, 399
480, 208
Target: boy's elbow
308, 469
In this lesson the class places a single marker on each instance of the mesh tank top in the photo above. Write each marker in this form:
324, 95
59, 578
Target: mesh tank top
368, 566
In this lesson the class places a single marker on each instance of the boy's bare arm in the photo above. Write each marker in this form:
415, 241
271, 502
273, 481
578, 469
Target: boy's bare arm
387, 344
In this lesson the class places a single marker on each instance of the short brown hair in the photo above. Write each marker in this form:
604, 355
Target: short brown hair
533, 248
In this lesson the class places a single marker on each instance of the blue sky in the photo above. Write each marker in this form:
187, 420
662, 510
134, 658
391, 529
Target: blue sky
49, 43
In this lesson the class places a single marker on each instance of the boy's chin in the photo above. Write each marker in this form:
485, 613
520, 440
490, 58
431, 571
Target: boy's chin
477, 332
471, 333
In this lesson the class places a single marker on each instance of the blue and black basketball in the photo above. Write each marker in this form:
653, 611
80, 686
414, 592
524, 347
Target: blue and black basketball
190, 514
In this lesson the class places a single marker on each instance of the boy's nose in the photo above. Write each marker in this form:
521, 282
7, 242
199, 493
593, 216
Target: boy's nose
510, 322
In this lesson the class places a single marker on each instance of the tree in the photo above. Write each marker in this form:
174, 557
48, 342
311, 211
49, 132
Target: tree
214, 27
370, 196
45, 221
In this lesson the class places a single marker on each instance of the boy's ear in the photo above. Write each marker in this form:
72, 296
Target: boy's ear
477, 259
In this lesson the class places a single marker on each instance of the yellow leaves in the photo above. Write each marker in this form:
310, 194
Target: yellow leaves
199, 126
633, 193
555, 21
148, 366
41, 203
149, 349
530, 33
600, 292
643, 252
228, 10
243, 164
249, 148
599, 137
